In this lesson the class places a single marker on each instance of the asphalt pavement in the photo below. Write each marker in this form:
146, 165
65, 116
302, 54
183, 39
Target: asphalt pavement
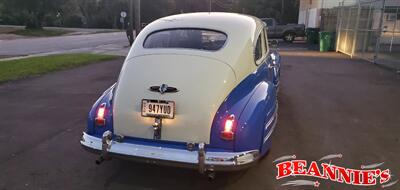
329, 104
110, 42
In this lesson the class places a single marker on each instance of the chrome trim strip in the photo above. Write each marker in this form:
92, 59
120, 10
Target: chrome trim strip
273, 119
270, 131
270, 121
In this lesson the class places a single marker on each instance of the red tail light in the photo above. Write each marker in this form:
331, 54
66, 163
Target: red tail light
229, 127
100, 120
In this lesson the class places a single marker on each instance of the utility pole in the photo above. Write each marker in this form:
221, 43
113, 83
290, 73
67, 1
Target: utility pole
137, 16
138, 26
210, 6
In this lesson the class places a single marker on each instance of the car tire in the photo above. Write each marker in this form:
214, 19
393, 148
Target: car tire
289, 37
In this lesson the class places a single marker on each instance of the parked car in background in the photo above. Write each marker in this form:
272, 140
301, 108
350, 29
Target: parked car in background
196, 90
287, 32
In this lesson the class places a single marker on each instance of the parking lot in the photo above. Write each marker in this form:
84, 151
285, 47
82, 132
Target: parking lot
329, 104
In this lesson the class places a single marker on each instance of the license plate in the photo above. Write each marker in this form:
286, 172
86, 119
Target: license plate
158, 108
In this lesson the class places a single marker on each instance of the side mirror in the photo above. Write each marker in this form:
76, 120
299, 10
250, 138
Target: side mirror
274, 57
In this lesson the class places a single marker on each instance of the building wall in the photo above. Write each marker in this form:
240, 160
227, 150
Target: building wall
310, 10
309, 13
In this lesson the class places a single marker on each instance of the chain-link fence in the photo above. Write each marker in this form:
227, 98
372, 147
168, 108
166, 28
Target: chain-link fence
369, 29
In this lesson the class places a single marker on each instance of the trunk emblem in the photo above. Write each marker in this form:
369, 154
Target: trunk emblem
163, 89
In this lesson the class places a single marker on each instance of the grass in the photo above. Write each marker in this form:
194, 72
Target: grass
26, 67
108, 31
39, 32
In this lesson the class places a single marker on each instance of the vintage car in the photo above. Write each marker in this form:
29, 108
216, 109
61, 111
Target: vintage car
196, 90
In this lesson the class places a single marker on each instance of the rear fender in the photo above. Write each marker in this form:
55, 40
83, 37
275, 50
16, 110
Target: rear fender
233, 104
248, 102
107, 98
251, 126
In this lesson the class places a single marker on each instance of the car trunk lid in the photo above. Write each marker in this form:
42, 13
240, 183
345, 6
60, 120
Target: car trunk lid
202, 85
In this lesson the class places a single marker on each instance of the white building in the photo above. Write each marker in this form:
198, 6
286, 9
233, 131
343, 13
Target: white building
310, 10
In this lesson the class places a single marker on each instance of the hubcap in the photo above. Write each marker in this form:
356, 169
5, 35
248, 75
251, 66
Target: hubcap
289, 37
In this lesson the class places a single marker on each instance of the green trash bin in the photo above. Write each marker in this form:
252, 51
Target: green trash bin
312, 35
325, 41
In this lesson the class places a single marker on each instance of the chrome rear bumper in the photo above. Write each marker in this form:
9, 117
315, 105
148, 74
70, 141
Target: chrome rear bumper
202, 160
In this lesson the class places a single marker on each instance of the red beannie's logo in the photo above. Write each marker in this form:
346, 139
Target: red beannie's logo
368, 175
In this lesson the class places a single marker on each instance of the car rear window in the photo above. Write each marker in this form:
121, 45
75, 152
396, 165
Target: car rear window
201, 39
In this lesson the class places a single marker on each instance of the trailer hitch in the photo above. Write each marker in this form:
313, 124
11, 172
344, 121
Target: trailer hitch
105, 147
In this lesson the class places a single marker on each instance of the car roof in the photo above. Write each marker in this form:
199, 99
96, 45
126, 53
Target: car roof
238, 27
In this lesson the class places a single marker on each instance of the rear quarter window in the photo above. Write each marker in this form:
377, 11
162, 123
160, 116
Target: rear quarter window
201, 39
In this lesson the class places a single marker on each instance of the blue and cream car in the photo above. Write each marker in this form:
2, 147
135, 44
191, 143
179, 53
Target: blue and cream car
196, 90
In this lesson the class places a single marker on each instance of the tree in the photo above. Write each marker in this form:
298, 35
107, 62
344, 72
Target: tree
152, 10
34, 11
106, 13
270, 8
101, 13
